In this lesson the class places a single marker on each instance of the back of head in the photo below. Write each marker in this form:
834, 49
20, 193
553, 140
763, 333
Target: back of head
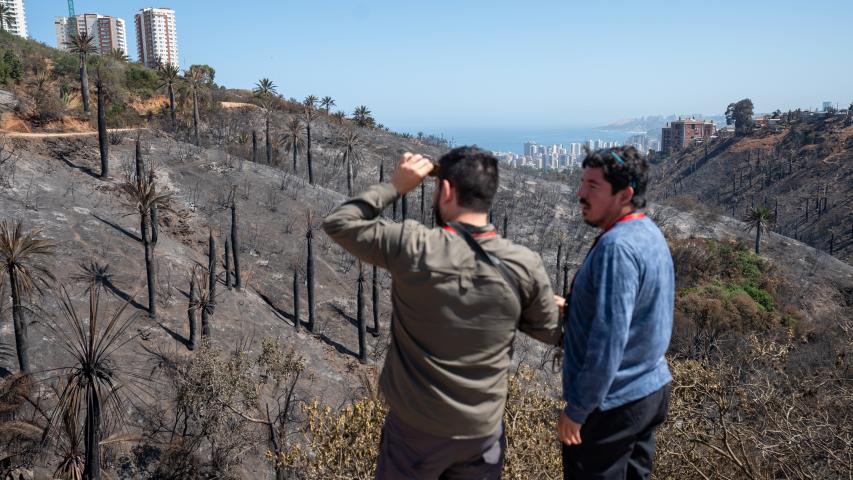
623, 167
473, 172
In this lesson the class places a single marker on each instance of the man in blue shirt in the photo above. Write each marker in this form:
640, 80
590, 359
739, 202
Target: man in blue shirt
616, 381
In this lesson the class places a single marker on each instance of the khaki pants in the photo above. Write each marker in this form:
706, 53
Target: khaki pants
409, 454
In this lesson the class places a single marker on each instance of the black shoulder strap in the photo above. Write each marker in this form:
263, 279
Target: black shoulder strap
492, 260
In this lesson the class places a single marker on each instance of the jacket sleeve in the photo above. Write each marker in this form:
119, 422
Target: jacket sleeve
540, 318
615, 280
356, 226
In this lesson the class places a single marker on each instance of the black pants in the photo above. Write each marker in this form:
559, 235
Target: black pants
406, 453
618, 443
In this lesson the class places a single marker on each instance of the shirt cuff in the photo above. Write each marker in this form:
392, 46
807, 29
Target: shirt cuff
575, 414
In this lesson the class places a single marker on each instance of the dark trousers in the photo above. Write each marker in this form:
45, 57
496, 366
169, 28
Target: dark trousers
618, 443
409, 454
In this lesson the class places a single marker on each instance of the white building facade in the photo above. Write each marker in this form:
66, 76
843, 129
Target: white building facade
110, 33
157, 37
16, 23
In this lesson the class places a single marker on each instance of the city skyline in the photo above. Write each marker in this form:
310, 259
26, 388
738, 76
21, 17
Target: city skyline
502, 64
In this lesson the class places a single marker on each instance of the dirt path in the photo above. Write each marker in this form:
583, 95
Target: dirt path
63, 135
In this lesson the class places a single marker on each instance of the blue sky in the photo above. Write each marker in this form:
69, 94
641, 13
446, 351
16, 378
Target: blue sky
448, 64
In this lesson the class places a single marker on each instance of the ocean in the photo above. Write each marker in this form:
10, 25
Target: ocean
513, 139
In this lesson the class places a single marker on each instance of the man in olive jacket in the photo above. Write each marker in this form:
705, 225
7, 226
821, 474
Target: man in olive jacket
455, 314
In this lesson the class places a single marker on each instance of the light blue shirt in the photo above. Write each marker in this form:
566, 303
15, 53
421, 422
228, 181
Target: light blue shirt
619, 320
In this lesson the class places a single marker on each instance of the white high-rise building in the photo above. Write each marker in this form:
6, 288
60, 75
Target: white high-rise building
109, 33
16, 24
157, 37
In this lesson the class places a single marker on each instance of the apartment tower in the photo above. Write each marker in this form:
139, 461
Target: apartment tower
109, 33
157, 37
16, 23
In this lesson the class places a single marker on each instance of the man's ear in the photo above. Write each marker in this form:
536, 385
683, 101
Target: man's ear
625, 195
447, 192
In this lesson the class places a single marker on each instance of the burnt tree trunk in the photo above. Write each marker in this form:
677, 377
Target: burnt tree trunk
92, 470
103, 142
191, 315
228, 284
22, 343
309, 236
235, 246
254, 146
296, 320
375, 301
362, 324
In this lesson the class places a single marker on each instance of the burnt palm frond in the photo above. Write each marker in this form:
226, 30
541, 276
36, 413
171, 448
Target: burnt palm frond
94, 275
294, 135
93, 386
144, 195
19, 252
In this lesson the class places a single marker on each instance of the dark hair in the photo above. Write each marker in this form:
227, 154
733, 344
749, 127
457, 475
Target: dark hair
474, 174
623, 167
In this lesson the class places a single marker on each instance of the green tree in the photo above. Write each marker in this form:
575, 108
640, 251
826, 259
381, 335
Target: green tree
169, 76
19, 252
83, 45
740, 114
294, 139
759, 219
362, 117
265, 91
327, 103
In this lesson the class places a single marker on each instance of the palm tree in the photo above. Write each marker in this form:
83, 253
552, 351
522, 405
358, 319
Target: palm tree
170, 75
197, 78
339, 117
93, 380
327, 103
6, 18
145, 197
266, 92
362, 117
309, 114
310, 101
349, 154
18, 254
293, 139
119, 55
83, 44
103, 144
759, 219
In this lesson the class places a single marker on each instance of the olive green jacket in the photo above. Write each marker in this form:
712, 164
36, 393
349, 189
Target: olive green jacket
454, 318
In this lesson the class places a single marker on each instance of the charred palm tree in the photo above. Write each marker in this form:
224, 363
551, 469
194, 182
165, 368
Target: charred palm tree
349, 154
83, 45
360, 320
143, 196
759, 219
93, 384
375, 301
308, 115
294, 139
296, 320
103, 141
309, 270
19, 253
235, 243
170, 75
204, 302
265, 91
192, 307
197, 78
